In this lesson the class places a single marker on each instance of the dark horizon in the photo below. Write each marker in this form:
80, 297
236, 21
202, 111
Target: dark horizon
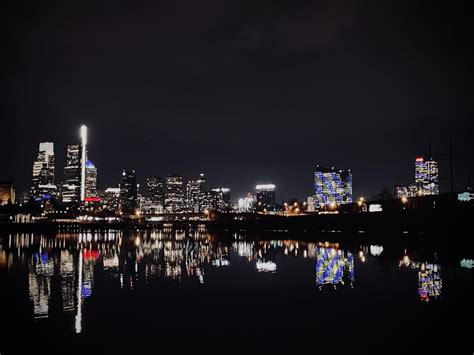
246, 93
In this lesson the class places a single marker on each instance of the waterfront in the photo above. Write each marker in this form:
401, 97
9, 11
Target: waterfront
112, 291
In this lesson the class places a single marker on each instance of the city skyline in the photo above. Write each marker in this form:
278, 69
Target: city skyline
267, 90
89, 168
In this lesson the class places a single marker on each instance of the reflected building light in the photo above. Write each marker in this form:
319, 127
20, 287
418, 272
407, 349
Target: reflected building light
467, 263
332, 266
39, 282
430, 283
78, 323
266, 266
68, 280
376, 250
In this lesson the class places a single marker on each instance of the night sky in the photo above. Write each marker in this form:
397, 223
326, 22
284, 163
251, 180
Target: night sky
246, 91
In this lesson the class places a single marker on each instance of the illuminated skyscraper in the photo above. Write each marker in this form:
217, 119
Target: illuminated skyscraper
128, 191
42, 184
174, 198
155, 194
91, 180
426, 176
193, 190
223, 198
332, 186
72, 174
265, 196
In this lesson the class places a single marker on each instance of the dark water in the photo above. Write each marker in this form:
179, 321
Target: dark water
117, 292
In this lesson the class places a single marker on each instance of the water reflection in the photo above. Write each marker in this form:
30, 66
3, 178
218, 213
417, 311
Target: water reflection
430, 283
64, 267
332, 266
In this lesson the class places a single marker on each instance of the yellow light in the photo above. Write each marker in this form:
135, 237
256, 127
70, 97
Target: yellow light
404, 199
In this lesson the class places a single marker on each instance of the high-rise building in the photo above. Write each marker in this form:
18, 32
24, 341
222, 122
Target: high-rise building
223, 198
7, 192
426, 176
128, 191
110, 199
209, 201
74, 187
265, 196
72, 174
91, 180
42, 184
332, 186
193, 196
155, 194
174, 198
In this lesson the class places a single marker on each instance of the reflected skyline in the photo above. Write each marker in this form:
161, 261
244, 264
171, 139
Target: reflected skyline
137, 259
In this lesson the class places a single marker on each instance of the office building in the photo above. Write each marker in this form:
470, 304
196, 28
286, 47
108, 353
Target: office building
223, 198
194, 200
71, 189
42, 183
128, 191
7, 192
91, 180
426, 176
332, 186
174, 197
266, 194
110, 199
155, 195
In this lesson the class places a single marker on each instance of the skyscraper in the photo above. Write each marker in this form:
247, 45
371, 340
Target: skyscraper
128, 191
42, 184
193, 192
332, 186
155, 194
426, 176
72, 174
223, 198
265, 196
91, 180
174, 198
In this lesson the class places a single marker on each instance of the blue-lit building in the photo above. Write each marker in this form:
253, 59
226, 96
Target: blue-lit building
332, 186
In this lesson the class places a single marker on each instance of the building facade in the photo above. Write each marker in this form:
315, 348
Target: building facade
332, 186
266, 196
91, 180
193, 196
155, 195
223, 198
174, 197
42, 183
128, 191
71, 189
426, 176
